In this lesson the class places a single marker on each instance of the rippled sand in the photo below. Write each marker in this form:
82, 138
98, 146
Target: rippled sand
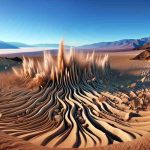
76, 101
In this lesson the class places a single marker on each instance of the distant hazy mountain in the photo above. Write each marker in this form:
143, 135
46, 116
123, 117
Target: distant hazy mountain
47, 45
117, 45
18, 44
125, 44
4, 45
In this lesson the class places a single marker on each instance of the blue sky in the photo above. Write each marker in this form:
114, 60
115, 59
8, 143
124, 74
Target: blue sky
76, 21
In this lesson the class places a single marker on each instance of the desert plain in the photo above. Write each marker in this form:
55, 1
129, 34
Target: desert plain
75, 100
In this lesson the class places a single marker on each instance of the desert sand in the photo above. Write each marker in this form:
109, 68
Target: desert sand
93, 101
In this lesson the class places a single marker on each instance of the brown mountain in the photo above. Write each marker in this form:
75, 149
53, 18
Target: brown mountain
145, 55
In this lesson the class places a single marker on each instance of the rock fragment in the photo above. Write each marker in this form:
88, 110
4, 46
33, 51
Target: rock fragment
133, 85
0, 115
81, 120
58, 118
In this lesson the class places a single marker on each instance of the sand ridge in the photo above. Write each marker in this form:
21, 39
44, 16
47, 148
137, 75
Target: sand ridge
13, 143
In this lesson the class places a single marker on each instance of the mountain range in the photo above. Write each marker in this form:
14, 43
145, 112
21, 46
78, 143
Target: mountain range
117, 45
125, 44
4, 45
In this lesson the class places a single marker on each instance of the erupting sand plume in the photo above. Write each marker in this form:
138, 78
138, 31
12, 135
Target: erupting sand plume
74, 102
68, 65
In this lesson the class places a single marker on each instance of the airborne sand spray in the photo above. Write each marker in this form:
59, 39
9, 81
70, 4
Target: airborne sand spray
77, 65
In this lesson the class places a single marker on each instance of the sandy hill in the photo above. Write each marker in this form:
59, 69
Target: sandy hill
145, 55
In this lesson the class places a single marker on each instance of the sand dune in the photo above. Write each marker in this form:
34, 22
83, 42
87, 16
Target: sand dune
75, 101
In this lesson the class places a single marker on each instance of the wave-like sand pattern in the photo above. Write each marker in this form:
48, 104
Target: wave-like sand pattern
73, 103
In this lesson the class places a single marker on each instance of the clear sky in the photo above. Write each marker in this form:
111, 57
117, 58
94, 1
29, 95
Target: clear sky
76, 21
